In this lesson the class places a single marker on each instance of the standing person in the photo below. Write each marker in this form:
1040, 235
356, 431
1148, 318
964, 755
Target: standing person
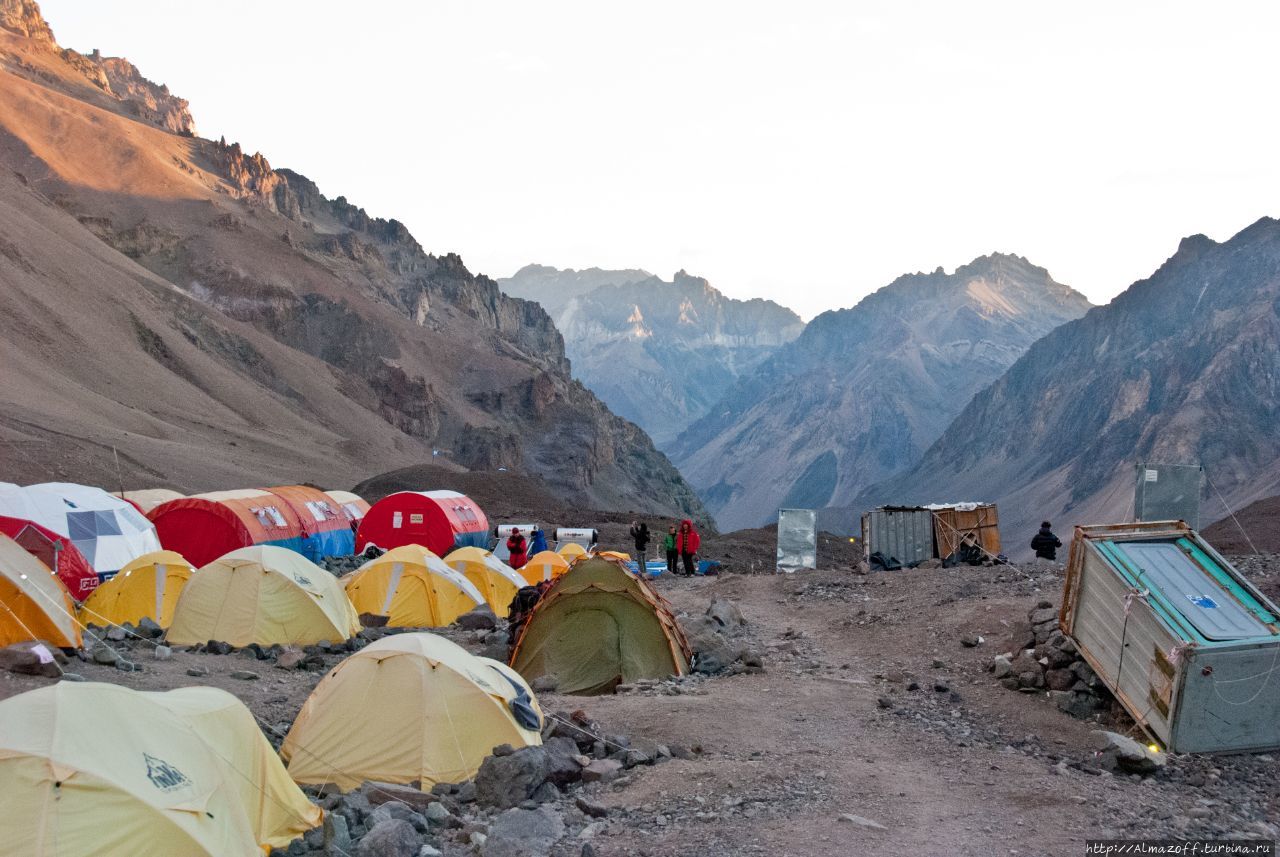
687, 543
537, 541
1045, 543
640, 535
673, 555
518, 549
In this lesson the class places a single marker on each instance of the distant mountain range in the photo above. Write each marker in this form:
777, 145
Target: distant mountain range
220, 323
1183, 367
864, 391
659, 353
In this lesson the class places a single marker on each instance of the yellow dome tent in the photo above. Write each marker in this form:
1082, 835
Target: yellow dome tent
619, 555
34, 603
571, 551
409, 707
497, 581
412, 587
89, 769
545, 565
148, 586
599, 626
266, 595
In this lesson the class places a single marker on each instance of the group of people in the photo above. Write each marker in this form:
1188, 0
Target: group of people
681, 544
521, 549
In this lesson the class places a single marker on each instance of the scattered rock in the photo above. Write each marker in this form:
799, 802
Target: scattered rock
590, 807
725, 613
197, 672
105, 655
147, 627
116, 634
545, 683
862, 822
217, 647
337, 836
162, 653
379, 793
245, 675
601, 771
31, 658
290, 659
127, 666
482, 618
1124, 753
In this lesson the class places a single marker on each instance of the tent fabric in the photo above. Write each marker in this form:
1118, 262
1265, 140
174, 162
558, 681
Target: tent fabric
183, 772
438, 520
618, 555
352, 506
412, 587
34, 604
263, 595
147, 499
599, 626
545, 565
106, 530
572, 551
204, 527
55, 551
409, 707
496, 580
147, 587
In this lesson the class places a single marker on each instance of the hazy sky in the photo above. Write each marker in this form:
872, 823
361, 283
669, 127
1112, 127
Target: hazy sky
807, 152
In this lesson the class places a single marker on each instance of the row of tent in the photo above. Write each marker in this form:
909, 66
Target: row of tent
189, 772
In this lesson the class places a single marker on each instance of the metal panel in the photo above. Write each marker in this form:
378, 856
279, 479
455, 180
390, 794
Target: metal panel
899, 533
953, 525
1214, 612
1230, 701
797, 539
1168, 492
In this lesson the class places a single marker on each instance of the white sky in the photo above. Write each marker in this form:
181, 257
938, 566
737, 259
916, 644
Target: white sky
806, 152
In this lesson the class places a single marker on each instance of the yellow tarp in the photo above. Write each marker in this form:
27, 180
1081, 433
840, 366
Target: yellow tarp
571, 551
89, 769
34, 604
545, 565
148, 586
413, 587
407, 707
265, 595
599, 626
496, 580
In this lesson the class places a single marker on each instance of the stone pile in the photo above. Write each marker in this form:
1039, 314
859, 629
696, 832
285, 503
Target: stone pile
1047, 661
520, 804
721, 641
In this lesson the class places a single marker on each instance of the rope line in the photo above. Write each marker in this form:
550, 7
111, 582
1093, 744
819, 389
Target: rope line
1230, 512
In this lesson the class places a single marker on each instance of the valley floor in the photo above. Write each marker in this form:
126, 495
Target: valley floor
872, 730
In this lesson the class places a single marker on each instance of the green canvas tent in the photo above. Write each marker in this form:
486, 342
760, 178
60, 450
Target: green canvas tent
597, 627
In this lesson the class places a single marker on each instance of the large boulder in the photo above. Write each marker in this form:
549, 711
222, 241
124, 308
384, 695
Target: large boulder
713, 651
32, 658
392, 837
563, 768
725, 613
505, 781
1123, 753
523, 833
481, 618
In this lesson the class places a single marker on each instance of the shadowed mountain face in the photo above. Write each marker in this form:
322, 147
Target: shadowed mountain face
658, 353
864, 391
221, 323
1182, 367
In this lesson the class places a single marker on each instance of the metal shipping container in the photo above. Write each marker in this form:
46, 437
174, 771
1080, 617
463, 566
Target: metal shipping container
1186, 644
897, 532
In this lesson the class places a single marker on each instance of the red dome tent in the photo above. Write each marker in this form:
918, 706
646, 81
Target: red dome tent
438, 520
206, 526
56, 552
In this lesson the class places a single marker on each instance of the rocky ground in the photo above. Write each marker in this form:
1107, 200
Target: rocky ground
849, 713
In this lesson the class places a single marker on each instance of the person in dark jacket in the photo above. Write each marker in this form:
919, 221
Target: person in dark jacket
518, 548
640, 535
1045, 543
688, 543
673, 555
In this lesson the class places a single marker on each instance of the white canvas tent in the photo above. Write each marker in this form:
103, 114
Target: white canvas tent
107, 530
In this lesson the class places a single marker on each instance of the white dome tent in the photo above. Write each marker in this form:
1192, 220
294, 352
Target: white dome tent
107, 530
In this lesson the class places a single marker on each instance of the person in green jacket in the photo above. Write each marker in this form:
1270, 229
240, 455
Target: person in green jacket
669, 542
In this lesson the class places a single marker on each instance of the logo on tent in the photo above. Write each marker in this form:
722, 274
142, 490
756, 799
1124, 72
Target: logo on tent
163, 775
298, 578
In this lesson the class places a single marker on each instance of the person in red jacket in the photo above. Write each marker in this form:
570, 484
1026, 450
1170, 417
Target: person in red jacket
518, 548
688, 543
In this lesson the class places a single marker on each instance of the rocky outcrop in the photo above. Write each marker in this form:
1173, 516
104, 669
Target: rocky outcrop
864, 391
315, 340
23, 18
659, 353
1149, 377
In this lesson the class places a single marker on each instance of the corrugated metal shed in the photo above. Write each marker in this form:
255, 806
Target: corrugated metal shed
901, 533
1186, 644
